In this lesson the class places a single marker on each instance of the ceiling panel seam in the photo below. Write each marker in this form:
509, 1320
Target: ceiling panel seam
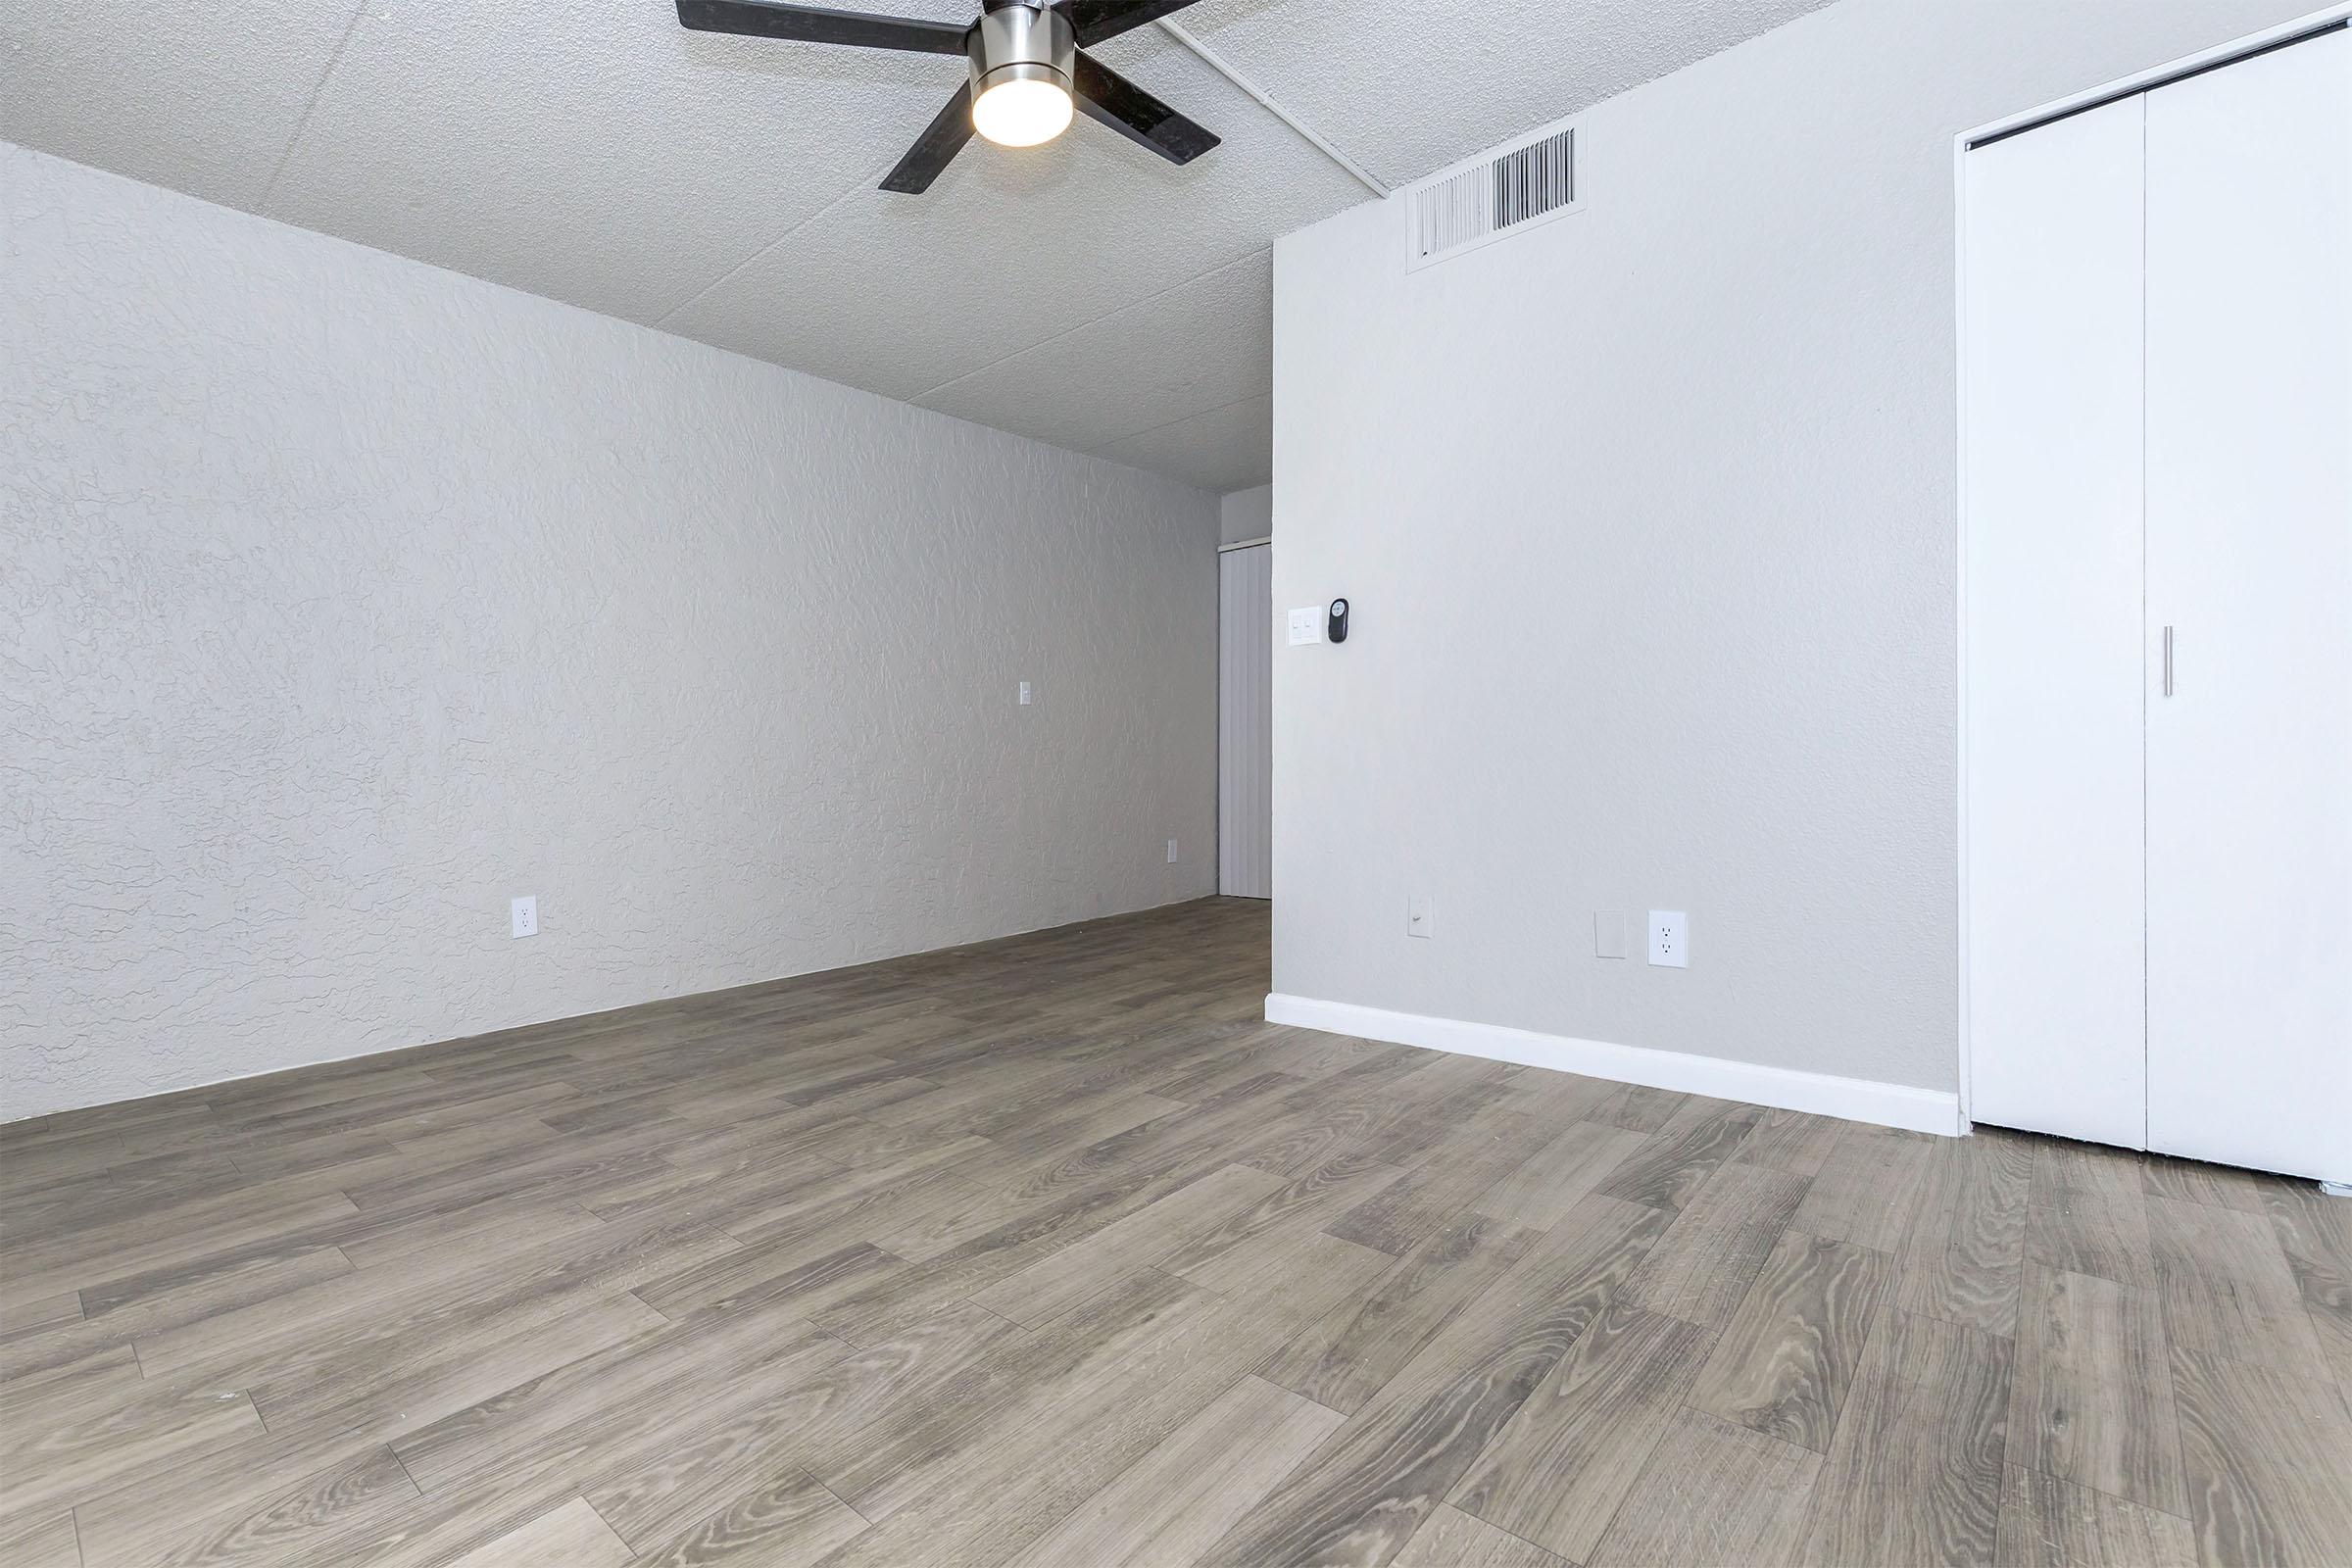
1093, 321
1181, 419
852, 188
310, 106
1314, 138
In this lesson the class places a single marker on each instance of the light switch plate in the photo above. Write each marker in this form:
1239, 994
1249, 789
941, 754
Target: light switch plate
1608, 933
1669, 939
1420, 915
1306, 625
526, 913
1024, 694
1171, 851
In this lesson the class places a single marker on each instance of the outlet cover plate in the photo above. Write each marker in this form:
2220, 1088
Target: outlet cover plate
526, 911
1670, 938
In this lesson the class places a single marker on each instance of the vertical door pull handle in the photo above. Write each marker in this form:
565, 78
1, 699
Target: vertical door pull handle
2168, 661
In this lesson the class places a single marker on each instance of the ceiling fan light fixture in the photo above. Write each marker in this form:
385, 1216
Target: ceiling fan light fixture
1023, 56
1027, 73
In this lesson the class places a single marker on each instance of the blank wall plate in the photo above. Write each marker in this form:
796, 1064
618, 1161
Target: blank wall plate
526, 911
1670, 938
1608, 933
1420, 915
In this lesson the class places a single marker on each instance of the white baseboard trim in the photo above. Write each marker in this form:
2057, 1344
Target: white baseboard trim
1920, 1110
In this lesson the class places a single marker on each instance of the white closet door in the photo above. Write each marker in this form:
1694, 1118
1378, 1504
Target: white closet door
2052, 629
2249, 410
1246, 722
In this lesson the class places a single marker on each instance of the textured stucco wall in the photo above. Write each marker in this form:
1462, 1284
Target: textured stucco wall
345, 598
1647, 517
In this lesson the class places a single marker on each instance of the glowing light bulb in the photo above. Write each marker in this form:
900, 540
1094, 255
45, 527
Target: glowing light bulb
1022, 113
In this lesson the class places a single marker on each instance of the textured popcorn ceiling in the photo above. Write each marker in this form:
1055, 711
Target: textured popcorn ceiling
594, 152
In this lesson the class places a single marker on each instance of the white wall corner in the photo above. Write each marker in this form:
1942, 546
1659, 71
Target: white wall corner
1919, 1111
1245, 515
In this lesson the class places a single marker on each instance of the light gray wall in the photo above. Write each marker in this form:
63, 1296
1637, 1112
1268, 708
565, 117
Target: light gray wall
1246, 515
345, 598
1647, 519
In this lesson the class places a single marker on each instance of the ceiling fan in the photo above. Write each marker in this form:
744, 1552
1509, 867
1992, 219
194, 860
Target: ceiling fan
1028, 62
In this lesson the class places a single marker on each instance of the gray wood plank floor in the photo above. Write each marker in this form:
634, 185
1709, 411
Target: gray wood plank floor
1049, 1251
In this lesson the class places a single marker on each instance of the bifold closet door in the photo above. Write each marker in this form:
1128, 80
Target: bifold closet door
2249, 570
2052, 629
1246, 722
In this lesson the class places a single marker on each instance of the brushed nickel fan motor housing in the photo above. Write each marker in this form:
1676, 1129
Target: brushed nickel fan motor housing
1022, 43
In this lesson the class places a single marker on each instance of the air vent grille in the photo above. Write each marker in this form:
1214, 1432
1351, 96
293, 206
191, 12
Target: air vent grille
1460, 210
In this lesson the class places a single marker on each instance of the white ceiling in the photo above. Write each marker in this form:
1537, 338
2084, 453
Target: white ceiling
1083, 293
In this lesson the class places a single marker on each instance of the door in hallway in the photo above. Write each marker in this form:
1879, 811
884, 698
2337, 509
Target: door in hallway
1246, 722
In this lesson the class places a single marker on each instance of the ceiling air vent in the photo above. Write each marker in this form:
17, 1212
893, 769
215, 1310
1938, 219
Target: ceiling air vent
1497, 194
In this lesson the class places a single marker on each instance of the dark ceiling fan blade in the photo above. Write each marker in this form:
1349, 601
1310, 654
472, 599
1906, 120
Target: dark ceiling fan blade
936, 147
1112, 100
1097, 19
777, 19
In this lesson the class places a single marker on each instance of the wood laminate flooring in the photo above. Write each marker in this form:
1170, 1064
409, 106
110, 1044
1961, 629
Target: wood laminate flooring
1049, 1251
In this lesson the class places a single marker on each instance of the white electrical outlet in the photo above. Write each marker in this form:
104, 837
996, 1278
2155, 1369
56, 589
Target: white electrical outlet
1670, 938
1024, 694
1420, 915
1608, 933
1306, 625
1171, 851
526, 911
